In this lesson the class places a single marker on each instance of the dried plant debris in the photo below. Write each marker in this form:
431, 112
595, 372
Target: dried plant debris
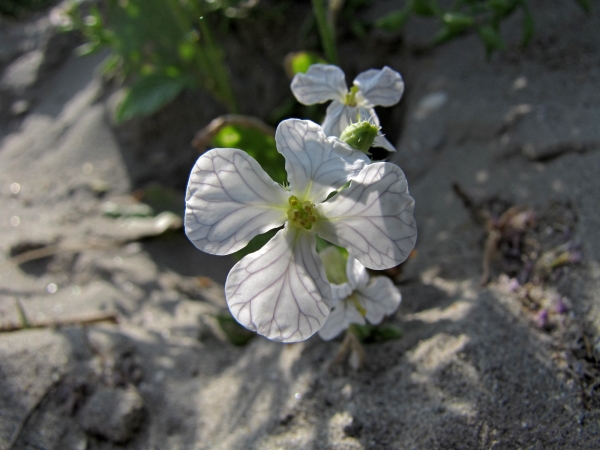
583, 359
527, 244
531, 251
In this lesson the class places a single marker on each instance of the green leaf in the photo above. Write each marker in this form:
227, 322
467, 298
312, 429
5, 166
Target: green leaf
586, 5
393, 21
110, 65
458, 22
491, 39
375, 333
528, 27
257, 144
362, 332
425, 7
236, 334
454, 25
149, 94
501, 7
386, 333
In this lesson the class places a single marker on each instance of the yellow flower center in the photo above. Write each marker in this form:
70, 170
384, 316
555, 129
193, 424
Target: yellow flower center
302, 214
350, 96
352, 298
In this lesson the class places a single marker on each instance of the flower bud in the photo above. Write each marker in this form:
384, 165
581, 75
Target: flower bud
360, 135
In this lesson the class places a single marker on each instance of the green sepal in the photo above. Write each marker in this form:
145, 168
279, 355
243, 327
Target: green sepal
360, 136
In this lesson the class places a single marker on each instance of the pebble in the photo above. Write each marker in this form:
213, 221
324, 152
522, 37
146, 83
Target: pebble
114, 414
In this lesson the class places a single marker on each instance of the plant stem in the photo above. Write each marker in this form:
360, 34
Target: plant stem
326, 30
208, 59
221, 77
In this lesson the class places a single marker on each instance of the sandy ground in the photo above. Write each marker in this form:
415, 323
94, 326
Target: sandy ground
512, 364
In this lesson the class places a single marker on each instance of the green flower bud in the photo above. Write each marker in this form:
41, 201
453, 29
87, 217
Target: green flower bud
360, 136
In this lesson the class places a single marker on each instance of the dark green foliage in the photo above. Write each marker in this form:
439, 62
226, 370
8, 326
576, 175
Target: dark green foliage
160, 46
376, 333
481, 16
586, 5
257, 144
235, 333
150, 93
393, 21
19, 8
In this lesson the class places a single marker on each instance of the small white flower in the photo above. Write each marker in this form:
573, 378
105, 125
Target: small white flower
324, 82
281, 291
358, 299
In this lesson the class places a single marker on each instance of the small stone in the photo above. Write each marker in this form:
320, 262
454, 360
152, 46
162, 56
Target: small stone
19, 107
114, 414
23, 72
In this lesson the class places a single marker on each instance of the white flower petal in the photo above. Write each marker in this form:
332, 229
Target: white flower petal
380, 87
379, 298
230, 199
372, 218
356, 273
339, 116
382, 142
315, 165
281, 290
340, 291
322, 82
342, 316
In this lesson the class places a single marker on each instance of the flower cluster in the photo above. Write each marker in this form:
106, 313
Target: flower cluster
281, 291
357, 298
372, 88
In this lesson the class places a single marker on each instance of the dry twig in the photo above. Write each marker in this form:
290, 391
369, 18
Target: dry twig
80, 319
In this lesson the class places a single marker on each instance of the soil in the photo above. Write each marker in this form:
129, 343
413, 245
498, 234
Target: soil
115, 339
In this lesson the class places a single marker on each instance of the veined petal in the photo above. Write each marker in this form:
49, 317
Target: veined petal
356, 273
339, 116
230, 199
380, 87
281, 290
372, 218
379, 298
315, 165
322, 82
342, 316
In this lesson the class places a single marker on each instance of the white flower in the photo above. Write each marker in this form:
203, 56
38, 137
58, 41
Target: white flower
281, 291
323, 82
358, 299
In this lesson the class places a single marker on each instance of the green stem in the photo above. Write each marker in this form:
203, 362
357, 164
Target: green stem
326, 30
221, 75
207, 59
